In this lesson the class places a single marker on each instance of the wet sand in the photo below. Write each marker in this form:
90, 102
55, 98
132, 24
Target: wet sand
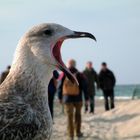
122, 123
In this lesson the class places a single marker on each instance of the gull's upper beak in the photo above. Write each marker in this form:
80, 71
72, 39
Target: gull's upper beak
57, 55
81, 35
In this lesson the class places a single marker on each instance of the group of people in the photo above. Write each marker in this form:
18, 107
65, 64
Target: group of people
71, 95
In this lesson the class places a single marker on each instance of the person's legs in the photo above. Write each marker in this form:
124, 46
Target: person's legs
78, 107
92, 103
105, 92
86, 107
50, 100
69, 108
112, 99
51, 108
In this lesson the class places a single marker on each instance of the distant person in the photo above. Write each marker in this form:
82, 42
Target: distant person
71, 95
107, 83
4, 74
92, 78
52, 90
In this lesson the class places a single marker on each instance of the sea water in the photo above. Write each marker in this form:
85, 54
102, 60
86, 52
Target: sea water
122, 91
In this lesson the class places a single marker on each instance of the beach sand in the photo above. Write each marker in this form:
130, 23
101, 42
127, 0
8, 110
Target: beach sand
122, 123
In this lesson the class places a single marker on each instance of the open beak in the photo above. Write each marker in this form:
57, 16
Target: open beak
57, 54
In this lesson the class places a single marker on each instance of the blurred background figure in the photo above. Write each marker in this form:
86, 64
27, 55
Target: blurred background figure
107, 83
92, 78
71, 95
4, 74
52, 90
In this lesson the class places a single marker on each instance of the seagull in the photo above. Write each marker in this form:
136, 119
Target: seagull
24, 112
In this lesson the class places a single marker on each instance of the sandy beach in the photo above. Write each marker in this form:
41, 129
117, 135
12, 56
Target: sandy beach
122, 123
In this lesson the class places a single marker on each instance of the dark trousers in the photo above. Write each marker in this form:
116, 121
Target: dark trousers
109, 104
51, 102
92, 103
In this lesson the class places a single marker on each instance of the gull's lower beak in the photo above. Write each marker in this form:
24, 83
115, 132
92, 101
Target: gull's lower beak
57, 54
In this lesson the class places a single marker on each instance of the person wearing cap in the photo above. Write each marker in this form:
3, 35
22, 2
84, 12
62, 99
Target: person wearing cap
92, 79
52, 90
70, 94
107, 83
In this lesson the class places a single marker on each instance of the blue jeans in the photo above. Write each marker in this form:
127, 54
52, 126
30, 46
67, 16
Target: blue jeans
92, 103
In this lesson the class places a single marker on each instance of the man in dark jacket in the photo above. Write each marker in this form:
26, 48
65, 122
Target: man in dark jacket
52, 90
92, 78
71, 95
107, 83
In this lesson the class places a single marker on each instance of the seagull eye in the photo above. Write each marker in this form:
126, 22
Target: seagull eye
47, 32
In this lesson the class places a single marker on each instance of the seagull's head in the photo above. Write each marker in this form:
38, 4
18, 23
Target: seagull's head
45, 42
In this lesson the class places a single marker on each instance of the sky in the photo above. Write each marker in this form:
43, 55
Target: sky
115, 24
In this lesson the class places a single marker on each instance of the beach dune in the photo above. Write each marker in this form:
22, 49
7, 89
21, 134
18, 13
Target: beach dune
122, 123
125, 120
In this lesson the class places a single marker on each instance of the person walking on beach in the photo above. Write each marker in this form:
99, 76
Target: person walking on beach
107, 82
71, 95
52, 90
4, 74
92, 78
